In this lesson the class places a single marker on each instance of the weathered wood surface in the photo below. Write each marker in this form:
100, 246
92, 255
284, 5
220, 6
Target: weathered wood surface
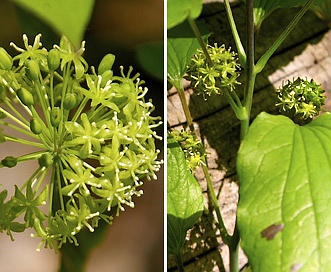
305, 53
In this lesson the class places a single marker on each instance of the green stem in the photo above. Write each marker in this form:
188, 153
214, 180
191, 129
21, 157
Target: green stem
197, 34
22, 141
16, 112
185, 107
18, 129
15, 119
235, 34
235, 105
224, 233
264, 59
179, 262
250, 73
234, 257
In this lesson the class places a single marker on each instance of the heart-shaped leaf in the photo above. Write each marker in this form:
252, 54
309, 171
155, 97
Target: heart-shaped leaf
178, 11
185, 201
285, 194
68, 18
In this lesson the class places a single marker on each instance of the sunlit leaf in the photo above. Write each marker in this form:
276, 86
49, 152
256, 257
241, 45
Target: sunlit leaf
285, 194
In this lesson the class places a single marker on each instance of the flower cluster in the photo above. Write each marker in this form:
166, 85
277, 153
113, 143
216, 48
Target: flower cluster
93, 131
222, 74
192, 147
301, 97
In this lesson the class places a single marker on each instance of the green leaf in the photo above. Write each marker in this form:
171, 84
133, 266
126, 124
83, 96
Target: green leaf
69, 18
181, 46
185, 201
263, 8
285, 194
178, 11
323, 10
150, 56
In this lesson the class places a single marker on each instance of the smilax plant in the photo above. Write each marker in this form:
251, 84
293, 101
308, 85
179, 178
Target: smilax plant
283, 162
92, 131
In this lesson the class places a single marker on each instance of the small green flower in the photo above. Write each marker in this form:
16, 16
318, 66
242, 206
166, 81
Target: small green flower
69, 55
206, 79
31, 52
29, 204
301, 97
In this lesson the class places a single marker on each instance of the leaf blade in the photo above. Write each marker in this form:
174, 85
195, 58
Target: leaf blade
179, 11
66, 17
185, 201
280, 166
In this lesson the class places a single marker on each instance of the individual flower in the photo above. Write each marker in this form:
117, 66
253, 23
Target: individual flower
211, 79
98, 94
68, 55
32, 52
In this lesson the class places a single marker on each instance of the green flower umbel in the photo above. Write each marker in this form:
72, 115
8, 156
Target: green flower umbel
93, 131
301, 97
212, 79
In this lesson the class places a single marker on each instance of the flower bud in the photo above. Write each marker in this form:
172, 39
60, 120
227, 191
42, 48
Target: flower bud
70, 101
106, 63
17, 227
45, 160
25, 96
32, 70
56, 116
6, 61
36, 126
106, 76
9, 161
53, 59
